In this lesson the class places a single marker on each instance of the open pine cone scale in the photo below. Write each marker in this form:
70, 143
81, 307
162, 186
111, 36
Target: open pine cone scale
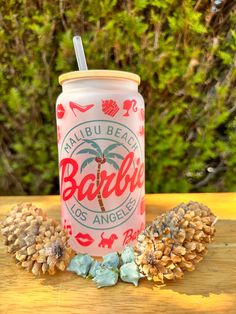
38, 244
175, 242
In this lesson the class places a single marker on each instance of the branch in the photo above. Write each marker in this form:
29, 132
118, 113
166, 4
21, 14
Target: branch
210, 175
62, 13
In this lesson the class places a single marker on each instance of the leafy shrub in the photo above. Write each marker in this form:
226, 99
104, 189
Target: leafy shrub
185, 53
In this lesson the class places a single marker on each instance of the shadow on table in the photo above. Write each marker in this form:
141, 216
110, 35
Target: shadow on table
64, 278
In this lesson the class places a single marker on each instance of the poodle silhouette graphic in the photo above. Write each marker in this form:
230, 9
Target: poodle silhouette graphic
107, 241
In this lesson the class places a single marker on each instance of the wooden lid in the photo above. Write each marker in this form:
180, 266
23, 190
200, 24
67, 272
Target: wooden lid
110, 74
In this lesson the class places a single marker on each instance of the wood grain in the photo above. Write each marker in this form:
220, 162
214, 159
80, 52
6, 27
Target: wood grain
211, 288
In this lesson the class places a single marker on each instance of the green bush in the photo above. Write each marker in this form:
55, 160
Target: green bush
185, 53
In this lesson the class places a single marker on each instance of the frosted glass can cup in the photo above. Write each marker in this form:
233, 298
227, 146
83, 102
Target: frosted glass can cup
100, 131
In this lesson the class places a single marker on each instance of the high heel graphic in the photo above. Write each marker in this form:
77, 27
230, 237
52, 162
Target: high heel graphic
58, 134
74, 106
127, 105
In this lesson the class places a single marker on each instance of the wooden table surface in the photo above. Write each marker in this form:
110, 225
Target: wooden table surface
211, 288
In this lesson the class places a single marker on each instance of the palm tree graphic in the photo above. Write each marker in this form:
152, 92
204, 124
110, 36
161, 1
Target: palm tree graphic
101, 157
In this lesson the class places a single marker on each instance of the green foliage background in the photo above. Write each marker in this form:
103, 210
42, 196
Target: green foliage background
185, 55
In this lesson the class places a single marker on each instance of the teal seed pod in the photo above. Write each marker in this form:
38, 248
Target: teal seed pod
127, 256
129, 272
95, 266
80, 264
106, 277
111, 260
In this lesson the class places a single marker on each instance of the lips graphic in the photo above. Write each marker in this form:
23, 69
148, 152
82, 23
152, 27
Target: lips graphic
84, 239
60, 111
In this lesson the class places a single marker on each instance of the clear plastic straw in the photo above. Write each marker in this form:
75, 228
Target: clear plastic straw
79, 52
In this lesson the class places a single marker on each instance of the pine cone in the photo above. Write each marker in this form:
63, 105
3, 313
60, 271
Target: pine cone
37, 243
174, 242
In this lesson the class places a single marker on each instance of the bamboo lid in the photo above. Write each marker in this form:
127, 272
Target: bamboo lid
110, 74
